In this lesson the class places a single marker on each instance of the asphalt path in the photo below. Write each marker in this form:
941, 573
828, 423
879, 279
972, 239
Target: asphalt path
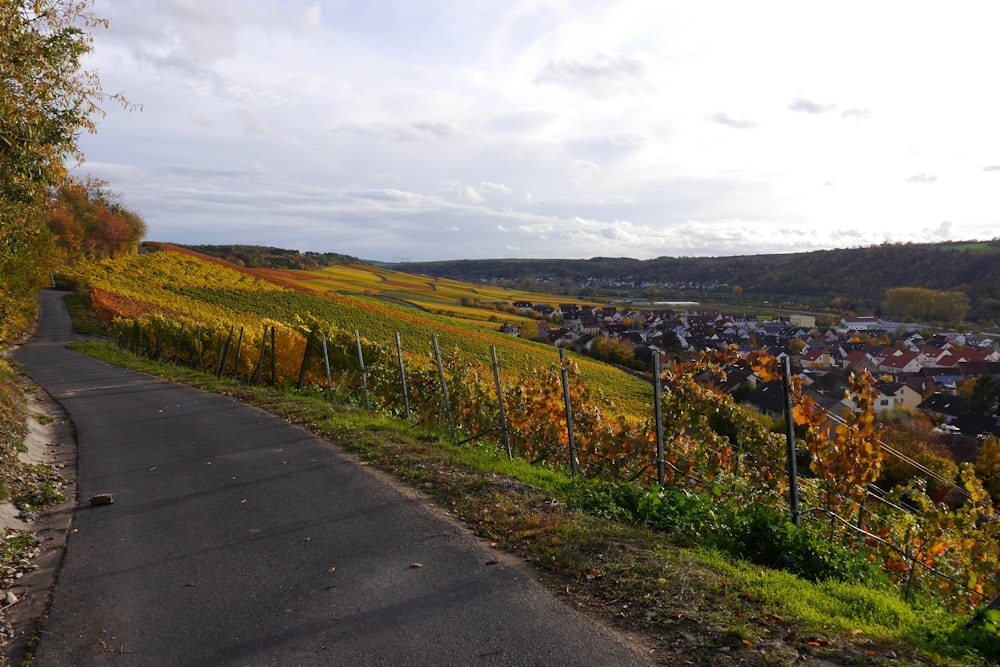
236, 538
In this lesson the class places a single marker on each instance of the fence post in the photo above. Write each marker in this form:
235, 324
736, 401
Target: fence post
326, 363
793, 473
132, 345
661, 468
239, 350
255, 376
981, 614
364, 371
224, 352
574, 464
177, 345
274, 358
201, 347
305, 362
444, 387
503, 412
402, 376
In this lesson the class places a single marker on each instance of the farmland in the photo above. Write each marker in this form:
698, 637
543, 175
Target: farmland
182, 285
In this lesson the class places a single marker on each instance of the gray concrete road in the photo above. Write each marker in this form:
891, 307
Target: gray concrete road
236, 538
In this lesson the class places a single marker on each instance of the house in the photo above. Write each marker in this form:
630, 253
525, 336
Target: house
978, 368
768, 398
899, 363
861, 361
923, 385
978, 355
511, 330
944, 407
589, 324
973, 425
931, 356
830, 384
544, 309
860, 323
816, 358
944, 382
895, 396
569, 311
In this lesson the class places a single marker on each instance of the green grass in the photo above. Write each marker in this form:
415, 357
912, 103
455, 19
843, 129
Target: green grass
973, 247
687, 605
85, 322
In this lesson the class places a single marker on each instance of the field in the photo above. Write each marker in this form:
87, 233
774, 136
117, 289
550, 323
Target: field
439, 296
378, 304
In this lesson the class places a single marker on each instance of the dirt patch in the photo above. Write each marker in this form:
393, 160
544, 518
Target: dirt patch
26, 584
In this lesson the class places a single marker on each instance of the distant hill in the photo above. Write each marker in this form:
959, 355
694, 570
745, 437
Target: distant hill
860, 275
265, 257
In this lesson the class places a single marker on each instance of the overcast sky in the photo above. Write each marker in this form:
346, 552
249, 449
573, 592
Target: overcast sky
450, 129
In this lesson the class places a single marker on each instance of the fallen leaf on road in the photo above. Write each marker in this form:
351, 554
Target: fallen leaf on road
416, 565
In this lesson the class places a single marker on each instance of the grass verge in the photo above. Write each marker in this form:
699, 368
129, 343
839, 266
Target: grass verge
681, 604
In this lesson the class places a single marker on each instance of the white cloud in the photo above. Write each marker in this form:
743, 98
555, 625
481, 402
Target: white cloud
923, 178
554, 129
808, 106
723, 118
601, 75
856, 114
487, 186
464, 193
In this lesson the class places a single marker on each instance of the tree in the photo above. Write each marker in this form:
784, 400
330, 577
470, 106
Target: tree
89, 220
913, 303
613, 351
913, 435
985, 396
988, 467
46, 102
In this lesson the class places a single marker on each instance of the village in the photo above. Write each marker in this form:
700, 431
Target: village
936, 374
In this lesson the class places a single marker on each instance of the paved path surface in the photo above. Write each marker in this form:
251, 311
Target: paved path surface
236, 538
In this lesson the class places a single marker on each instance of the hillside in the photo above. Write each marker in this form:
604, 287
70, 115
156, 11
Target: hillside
184, 287
715, 479
266, 257
858, 275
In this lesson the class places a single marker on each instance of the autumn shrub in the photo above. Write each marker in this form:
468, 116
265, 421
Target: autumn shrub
913, 436
988, 467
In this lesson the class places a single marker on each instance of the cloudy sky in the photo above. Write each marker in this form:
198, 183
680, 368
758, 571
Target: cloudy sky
449, 129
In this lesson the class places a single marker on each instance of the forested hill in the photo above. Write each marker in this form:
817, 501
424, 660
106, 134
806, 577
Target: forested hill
265, 257
854, 273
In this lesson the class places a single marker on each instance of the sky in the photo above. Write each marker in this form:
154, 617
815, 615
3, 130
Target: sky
417, 130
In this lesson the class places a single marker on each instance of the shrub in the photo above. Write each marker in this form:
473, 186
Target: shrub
766, 536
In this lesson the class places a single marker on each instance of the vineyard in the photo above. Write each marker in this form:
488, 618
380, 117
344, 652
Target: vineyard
440, 296
186, 289
706, 467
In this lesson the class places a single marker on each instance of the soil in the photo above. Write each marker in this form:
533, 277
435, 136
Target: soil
26, 584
